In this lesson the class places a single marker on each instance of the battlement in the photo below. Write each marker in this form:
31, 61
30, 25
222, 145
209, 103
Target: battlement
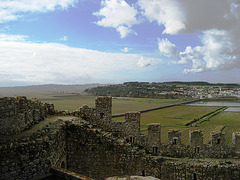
103, 102
98, 146
103, 106
154, 137
174, 137
196, 138
130, 129
236, 141
17, 114
132, 116
217, 138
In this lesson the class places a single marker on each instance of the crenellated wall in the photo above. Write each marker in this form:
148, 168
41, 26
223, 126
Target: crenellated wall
130, 129
98, 147
98, 154
28, 157
18, 114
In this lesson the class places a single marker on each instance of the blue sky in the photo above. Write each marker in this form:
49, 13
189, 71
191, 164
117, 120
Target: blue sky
113, 41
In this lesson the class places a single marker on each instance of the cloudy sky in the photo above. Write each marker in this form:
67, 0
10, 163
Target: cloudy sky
113, 41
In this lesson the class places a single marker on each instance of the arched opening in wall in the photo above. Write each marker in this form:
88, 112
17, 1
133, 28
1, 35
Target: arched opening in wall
197, 149
194, 176
174, 141
63, 165
218, 141
132, 139
155, 150
101, 115
143, 173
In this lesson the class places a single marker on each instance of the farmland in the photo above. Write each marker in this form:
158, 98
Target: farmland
170, 118
120, 105
175, 118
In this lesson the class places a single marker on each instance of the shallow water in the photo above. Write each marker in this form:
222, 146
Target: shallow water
233, 109
216, 103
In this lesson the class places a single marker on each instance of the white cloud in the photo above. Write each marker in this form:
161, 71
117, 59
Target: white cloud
143, 62
5, 37
64, 38
117, 14
12, 10
23, 61
217, 52
167, 13
217, 20
124, 31
167, 48
126, 49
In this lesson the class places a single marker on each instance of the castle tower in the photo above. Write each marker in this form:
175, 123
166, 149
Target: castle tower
103, 106
154, 137
217, 138
196, 140
236, 141
174, 137
132, 122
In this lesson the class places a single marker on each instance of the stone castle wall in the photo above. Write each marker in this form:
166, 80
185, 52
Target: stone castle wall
100, 147
18, 114
98, 154
130, 128
29, 157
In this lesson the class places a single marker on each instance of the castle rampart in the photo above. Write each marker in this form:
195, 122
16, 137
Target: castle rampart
130, 129
99, 147
236, 141
28, 157
18, 114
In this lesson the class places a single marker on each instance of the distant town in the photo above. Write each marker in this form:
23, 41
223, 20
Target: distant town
169, 90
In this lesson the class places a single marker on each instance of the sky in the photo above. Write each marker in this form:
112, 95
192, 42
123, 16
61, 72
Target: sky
115, 41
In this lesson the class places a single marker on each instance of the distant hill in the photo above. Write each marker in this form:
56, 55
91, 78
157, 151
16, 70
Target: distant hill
167, 90
48, 88
202, 83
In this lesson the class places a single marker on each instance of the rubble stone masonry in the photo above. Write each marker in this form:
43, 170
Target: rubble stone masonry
95, 146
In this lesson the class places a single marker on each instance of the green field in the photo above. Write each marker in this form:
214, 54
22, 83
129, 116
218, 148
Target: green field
69, 102
177, 115
120, 105
230, 121
170, 118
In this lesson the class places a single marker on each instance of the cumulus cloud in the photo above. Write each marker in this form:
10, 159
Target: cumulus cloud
167, 48
117, 14
218, 22
167, 13
218, 52
24, 61
187, 16
143, 62
124, 31
12, 10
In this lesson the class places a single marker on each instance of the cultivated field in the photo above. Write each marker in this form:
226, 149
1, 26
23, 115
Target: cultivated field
120, 105
176, 117
170, 118
230, 122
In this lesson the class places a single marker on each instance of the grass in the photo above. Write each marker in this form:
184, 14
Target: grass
177, 115
169, 118
231, 121
71, 102
120, 105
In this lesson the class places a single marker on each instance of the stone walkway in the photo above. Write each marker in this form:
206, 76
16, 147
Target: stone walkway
36, 127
